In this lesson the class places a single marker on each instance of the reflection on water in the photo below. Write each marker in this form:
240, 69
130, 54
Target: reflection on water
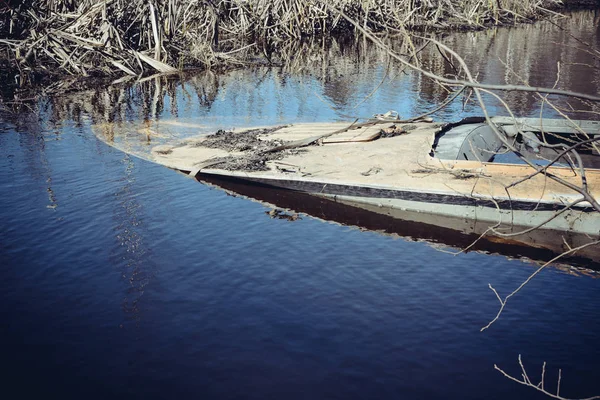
39, 154
131, 255
33, 139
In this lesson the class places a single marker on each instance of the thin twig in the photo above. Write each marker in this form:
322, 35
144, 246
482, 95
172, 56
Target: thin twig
540, 269
540, 387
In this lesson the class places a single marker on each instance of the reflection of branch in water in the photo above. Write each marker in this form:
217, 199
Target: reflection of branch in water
131, 255
35, 141
51, 196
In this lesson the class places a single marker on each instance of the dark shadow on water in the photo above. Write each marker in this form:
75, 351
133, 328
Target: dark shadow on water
426, 229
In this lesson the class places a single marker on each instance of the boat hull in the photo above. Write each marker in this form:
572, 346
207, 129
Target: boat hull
512, 215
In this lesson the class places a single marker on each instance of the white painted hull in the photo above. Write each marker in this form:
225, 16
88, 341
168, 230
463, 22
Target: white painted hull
587, 223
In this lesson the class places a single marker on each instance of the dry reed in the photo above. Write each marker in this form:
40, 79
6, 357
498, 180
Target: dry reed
134, 37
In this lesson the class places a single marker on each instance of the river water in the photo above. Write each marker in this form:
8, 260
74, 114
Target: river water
121, 278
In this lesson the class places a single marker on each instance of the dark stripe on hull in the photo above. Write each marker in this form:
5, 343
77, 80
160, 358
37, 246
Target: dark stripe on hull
362, 191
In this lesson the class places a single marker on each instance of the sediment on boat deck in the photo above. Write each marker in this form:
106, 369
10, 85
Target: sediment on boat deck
270, 148
241, 141
251, 152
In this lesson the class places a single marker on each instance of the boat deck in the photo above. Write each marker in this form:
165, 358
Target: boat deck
356, 158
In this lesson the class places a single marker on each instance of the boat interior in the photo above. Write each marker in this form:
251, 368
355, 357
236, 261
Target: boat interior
540, 141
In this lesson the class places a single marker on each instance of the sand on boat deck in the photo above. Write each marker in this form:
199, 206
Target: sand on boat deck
346, 155
360, 157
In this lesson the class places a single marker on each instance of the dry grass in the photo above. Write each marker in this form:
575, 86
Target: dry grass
134, 37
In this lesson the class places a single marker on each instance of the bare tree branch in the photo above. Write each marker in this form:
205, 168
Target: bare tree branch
540, 387
540, 269
457, 82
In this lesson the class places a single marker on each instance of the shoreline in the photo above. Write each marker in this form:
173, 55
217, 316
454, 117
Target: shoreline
87, 60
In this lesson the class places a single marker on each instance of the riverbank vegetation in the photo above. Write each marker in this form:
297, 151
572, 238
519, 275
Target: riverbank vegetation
42, 38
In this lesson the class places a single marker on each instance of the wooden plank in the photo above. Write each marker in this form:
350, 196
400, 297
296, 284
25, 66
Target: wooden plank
304, 131
365, 134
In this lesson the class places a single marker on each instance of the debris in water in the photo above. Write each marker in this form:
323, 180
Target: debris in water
281, 214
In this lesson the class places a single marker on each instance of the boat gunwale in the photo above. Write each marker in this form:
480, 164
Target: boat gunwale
497, 202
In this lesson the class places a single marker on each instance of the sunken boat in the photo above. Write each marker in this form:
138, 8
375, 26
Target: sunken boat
531, 182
